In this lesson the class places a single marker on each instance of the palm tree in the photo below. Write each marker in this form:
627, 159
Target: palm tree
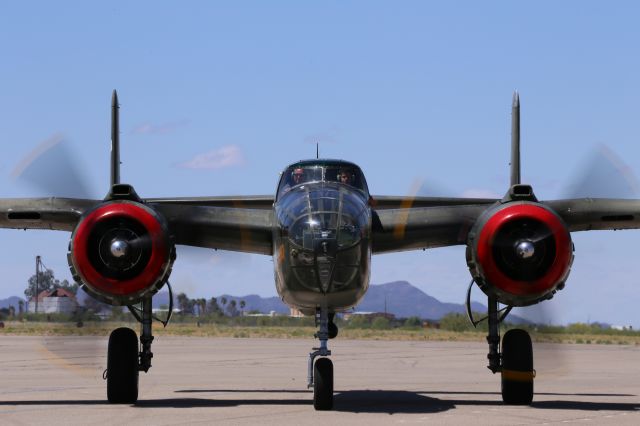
213, 305
183, 302
223, 300
232, 308
191, 306
242, 305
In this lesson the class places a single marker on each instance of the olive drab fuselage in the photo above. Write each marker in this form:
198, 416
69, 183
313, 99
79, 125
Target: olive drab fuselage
322, 237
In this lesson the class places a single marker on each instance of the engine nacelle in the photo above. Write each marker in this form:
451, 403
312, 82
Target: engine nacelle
120, 252
520, 252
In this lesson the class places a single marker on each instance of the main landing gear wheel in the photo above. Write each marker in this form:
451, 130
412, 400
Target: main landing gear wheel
323, 384
122, 366
517, 368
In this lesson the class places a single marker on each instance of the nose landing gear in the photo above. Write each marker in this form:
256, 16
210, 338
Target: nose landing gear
320, 371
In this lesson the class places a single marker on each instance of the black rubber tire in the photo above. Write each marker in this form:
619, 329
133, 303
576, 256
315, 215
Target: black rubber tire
122, 367
323, 384
517, 356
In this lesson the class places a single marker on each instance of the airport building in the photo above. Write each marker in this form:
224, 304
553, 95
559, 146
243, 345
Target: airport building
58, 301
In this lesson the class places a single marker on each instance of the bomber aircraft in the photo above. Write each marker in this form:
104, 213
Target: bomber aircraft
321, 227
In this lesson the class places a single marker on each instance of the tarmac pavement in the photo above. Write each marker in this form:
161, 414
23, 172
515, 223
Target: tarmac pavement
58, 380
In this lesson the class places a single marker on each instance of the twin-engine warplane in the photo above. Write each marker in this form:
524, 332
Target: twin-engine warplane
321, 227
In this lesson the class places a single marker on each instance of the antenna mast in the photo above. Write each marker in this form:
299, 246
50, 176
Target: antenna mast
515, 139
37, 281
115, 140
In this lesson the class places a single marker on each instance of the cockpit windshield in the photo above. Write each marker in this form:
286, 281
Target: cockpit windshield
299, 174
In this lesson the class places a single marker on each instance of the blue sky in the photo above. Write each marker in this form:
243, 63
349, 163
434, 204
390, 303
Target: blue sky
217, 97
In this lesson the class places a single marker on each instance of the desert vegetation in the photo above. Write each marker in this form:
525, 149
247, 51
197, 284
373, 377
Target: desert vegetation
453, 327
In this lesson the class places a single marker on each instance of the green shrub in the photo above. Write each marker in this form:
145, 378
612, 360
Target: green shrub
413, 322
380, 323
359, 321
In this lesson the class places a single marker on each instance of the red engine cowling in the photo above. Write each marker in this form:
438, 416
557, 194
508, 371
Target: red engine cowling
520, 252
121, 252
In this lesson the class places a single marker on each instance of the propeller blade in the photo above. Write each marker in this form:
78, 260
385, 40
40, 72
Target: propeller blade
198, 255
430, 187
83, 355
52, 169
141, 242
603, 175
550, 358
400, 228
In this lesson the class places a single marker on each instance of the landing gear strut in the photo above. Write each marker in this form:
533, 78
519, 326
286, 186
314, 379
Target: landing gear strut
515, 362
320, 372
126, 358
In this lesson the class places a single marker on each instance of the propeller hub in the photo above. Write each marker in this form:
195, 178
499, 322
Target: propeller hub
119, 248
525, 249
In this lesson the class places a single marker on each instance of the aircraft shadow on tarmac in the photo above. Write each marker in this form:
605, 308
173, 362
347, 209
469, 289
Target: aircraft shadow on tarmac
390, 402
419, 392
356, 401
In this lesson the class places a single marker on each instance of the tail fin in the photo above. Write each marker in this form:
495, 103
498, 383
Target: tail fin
515, 139
115, 140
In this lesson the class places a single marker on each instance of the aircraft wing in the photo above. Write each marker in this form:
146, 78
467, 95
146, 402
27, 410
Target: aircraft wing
245, 223
202, 222
429, 225
410, 228
60, 214
587, 214
226, 228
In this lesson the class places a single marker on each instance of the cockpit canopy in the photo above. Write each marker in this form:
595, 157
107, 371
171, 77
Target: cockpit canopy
310, 171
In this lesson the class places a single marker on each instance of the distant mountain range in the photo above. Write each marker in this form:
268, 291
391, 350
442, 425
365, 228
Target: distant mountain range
404, 300
399, 298
11, 301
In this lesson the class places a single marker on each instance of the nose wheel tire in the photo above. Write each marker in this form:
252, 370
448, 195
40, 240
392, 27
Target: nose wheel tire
517, 368
122, 366
323, 384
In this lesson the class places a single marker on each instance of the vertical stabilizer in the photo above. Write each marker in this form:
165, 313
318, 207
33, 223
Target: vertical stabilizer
115, 140
515, 139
